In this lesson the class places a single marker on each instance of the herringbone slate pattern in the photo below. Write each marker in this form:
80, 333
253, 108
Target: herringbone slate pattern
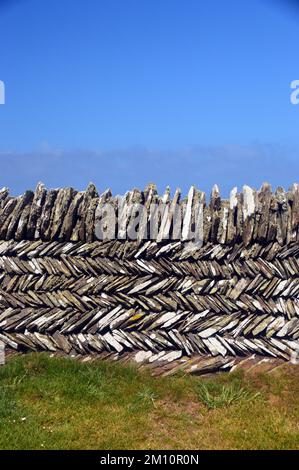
122, 296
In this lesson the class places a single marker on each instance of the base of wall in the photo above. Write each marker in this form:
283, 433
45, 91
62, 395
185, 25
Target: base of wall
168, 365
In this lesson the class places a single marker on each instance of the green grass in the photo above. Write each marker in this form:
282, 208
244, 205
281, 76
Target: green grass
56, 403
215, 395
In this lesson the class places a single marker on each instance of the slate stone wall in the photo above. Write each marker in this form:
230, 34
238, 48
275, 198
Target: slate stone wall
233, 294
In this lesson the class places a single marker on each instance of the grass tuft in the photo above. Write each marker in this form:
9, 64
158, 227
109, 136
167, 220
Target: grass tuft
225, 396
147, 396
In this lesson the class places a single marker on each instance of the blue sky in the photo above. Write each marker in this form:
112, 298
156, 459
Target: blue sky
123, 92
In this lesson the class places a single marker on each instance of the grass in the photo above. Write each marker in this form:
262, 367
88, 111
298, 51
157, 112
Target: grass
56, 403
214, 395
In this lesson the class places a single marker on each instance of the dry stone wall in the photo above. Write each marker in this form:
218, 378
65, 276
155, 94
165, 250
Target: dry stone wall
232, 292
